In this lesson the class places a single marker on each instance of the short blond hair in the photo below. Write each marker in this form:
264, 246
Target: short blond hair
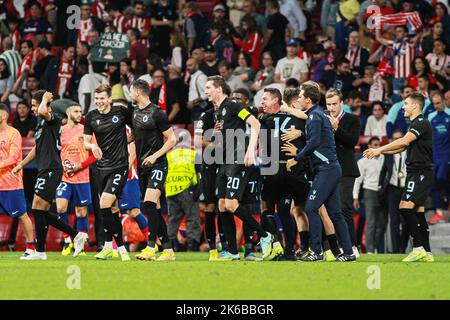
334, 93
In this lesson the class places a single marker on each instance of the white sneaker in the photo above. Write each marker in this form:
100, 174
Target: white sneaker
356, 252
35, 256
78, 242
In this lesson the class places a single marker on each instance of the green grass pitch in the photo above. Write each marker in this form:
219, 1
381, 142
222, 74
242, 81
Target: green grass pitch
193, 277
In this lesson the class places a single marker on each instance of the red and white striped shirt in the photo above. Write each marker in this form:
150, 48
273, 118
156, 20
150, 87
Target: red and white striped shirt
121, 23
403, 54
25, 64
98, 10
16, 37
83, 30
141, 23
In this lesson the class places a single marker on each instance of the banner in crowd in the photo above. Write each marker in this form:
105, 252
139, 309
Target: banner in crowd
111, 47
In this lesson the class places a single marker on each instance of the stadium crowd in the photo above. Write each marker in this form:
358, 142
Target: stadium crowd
373, 52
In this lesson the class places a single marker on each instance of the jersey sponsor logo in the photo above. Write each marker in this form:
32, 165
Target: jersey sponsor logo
15, 212
83, 201
115, 119
124, 205
145, 118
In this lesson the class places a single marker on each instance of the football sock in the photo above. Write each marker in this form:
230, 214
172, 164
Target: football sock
40, 223
246, 217
248, 234
107, 223
413, 226
424, 230
268, 223
223, 239
162, 231
55, 221
117, 230
229, 228
82, 224
210, 229
153, 223
332, 240
141, 221
304, 240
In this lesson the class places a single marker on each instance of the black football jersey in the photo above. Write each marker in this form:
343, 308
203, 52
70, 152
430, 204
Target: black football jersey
420, 151
148, 126
48, 143
111, 136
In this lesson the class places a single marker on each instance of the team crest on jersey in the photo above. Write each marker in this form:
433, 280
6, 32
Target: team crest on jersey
145, 118
224, 112
115, 119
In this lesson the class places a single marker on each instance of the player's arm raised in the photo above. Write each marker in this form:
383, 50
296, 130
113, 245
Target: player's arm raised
43, 110
171, 141
30, 157
394, 147
255, 126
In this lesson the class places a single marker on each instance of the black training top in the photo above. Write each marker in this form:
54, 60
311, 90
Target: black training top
420, 152
48, 143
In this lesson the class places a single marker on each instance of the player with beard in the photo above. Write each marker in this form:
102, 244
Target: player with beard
150, 126
108, 123
232, 118
50, 171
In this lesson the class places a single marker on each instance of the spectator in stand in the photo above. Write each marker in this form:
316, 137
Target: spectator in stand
218, 18
32, 86
44, 49
320, 63
441, 12
440, 122
439, 62
266, 75
420, 68
26, 51
364, 85
179, 52
138, 52
126, 77
249, 7
233, 81
354, 102
341, 78
433, 33
141, 22
163, 20
376, 123
119, 20
193, 26
59, 74
357, 55
292, 11
391, 187
88, 23
164, 96
199, 55
347, 13
275, 36
24, 121
328, 15
251, 41
291, 66
14, 32
181, 91
82, 50
197, 83
210, 66
223, 46
244, 70
376, 215
86, 87
403, 49
6, 82
422, 86
11, 57
37, 27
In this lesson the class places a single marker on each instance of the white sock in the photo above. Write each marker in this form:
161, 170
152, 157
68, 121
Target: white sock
67, 240
108, 244
169, 250
276, 244
152, 249
418, 248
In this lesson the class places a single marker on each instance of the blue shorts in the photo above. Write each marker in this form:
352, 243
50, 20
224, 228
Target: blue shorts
79, 193
131, 196
13, 203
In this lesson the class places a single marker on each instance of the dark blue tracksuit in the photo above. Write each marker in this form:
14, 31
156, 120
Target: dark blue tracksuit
320, 147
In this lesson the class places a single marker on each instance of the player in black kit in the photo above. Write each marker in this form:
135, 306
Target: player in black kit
108, 123
50, 171
232, 118
282, 183
419, 167
150, 126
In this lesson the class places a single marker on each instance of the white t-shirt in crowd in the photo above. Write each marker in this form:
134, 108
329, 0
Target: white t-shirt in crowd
291, 68
376, 127
88, 83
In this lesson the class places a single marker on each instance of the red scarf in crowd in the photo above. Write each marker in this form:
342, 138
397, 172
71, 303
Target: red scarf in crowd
162, 101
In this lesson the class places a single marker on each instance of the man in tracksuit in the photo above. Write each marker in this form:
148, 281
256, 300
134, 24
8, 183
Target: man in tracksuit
320, 147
